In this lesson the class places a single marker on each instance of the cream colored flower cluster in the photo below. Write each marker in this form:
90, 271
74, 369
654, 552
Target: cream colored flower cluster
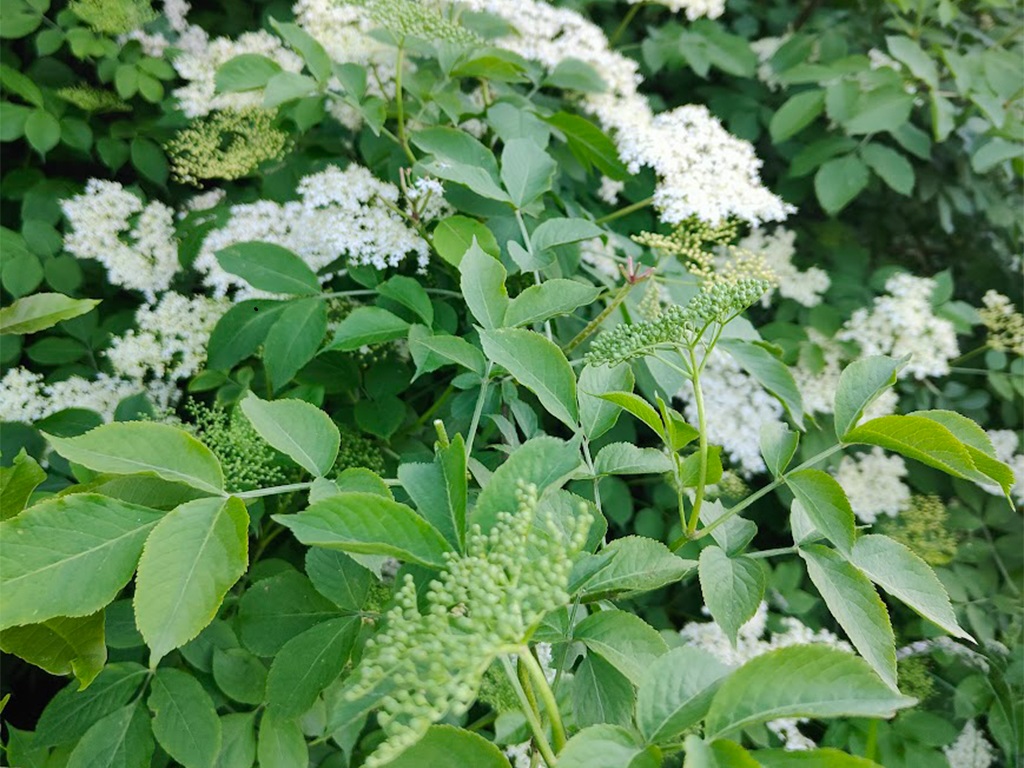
873, 482
778, 248
25, 396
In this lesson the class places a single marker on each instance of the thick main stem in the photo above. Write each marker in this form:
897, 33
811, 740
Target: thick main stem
547, 696
400, 106
540, 738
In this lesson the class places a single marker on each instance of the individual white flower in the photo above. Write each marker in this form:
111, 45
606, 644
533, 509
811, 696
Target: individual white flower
199, 68
340, 214
425, 196
140, 255
170, 341
778, 248
736, 407
903, 322
873, 482
970, 750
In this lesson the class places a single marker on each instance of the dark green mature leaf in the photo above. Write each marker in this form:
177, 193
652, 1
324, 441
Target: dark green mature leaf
770, 372
281, 743
839, 181
276, 609
431, 352
122, 738
297, 429
853, 601
192, 558
675, 692
597, 414
890, 166
639, 408
88, 544
883, 109
61, 646
601, 694
294, 339
238, 740
797, 113
622, 639
483, 287
240, 331
637, 564
549, 299
539, 365
860, 384
245, 72
733, 588
907, 577
309, 663
73, 711
800, 681
17, 483
410, 294
445, 746
365, 523
588, 144
185, 720
40, 311
826, 505
129, 447
367, 325
339, 578
269, 267
240, 675
627, 459
607, 746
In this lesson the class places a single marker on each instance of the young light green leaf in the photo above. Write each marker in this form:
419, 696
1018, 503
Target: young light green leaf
601, 694
549, 299
526, 170
245, 72
770, 372
676, 691
637, 564
852, 600
800, 681
297, 429
269, 267
622, 639
191, 559
826, 504
294, 339
367, 325
483, 287
61, 646
125, 448
733, 588
240, 331
907, 577
860, 384
309, 663
276, 609
17, 483
281, 743
977, 443
368, 524
87, 543
627, 459
454, 235
123, 737
185, 720
607, 746
921, 438
41, 311
552, 233
796, 114
778, 444
445, 746
539, 365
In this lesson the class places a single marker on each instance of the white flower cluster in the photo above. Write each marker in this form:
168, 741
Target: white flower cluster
200, 66
903, 322
945, 645
343, 30
765, 48
694, 9
736, 406
346, 213
170, 341
778, 248
1005, 443
970, 750
818, 385
425, 201
25, 397
749, 644
610, 190
874, 484
104, 214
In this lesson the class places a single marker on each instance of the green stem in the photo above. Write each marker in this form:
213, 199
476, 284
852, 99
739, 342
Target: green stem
527, 658
765, 553
630, 15
594, 324
273, 490
475, 423
540, 738
638, 206
434, 408
400, 106
702, 427
871, 745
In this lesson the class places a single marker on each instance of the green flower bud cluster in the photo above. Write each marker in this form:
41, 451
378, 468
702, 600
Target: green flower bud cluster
693, 241
432, 663
248, 460
915, 677
113, 17
676, 326
924, 529
358, 451
226, 145
90, 99
496, 691
419, 18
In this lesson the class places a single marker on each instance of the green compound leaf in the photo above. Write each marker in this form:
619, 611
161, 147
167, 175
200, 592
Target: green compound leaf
276, 609
907, 577
539, 365
860, 384
676, 691
309, 663
366, 523
41, 311
294, 339
733, 588
126, 448
240, 331
851, 598
239, 674
549, 299
185, 720
527, 171
269, 267
88, 544
826, 505
61, 646
622, 639
627, 459
192, 558
298, 429
977, 443
800, 681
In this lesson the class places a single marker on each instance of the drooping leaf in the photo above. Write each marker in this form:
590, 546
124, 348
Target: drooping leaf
298, 429
192, 558
409, 293
770, 372
778, 445
838, 181
733, 588
86, 543
61, 646
977, 443
443, 349
675, 692
185, 721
